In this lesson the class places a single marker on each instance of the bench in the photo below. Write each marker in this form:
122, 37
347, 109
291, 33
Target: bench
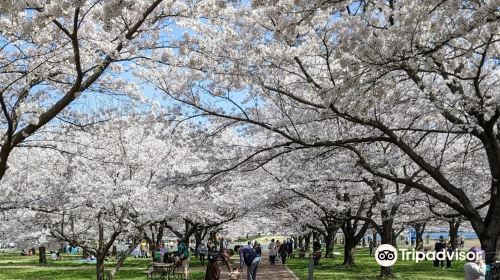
163, 271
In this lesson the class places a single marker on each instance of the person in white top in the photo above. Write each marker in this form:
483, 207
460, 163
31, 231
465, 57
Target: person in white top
475, 269
272, 252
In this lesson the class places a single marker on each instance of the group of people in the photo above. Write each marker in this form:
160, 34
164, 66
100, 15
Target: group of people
440, 246
282, 250
28, 252
474, 269
180, 257
249, 256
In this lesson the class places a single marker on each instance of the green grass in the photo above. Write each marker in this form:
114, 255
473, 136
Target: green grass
16, 267
367, 268
13, 266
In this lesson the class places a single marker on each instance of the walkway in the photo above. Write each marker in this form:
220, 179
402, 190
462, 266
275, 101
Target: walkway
266, 271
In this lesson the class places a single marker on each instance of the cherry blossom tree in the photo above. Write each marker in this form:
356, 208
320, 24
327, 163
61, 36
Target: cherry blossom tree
109, 177
347, 75
64, 61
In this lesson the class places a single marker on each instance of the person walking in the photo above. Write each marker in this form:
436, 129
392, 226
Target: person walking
461, 242
202, 252
183, 255
272, 252
215, 258
258, 249
278, 245
249, 258
289, 248
283, 252
439, 247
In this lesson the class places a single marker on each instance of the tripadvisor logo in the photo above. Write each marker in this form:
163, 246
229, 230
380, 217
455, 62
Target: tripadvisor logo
387, 255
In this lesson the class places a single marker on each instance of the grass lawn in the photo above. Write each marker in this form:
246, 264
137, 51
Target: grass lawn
13, 266
367, 268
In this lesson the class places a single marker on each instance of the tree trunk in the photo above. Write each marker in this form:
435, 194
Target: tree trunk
315, 235
453, 232
198, 238
121, 260
419, 232
307, 240
387, 238
295, 241
213, 238
329, 246
349, 246
386, 271
159, 238
101, 273
490, 245
156, 230
42, 257
301, 241
104, 247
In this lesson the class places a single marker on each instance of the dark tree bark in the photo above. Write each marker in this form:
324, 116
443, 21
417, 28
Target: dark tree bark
386, 229
419, 230
42, 256
353, 231
329, 238
199, 235
104, 246
189, 229
349, 246
307, 241
156, 231
121, 260
352, 237
387, 238
453, 232
328, 231
213, 237
101, 273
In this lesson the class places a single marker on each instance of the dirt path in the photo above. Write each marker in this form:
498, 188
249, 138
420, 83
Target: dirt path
266, 271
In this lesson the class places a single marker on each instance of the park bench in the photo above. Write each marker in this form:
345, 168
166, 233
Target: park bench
163, 271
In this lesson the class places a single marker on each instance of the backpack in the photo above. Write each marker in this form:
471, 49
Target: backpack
213, 256
249, 255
